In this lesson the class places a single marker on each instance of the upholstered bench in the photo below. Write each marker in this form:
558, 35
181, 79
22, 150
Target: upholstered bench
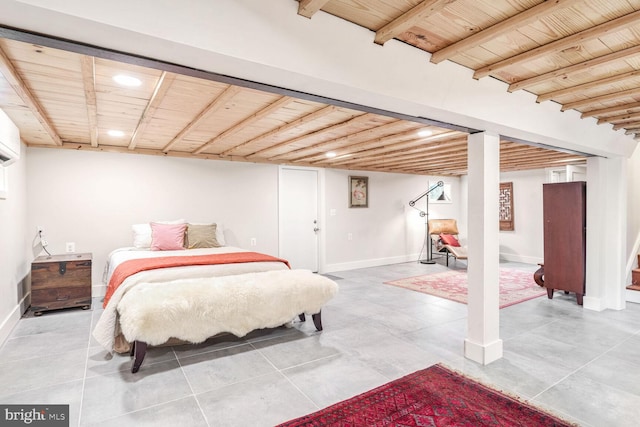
193, 310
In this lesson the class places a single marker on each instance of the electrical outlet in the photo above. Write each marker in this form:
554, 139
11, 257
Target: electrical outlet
71, 247
349, 236
253, 241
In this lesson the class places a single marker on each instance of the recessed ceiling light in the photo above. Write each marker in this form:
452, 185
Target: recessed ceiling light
425, 132
331, 154
125, 80
115, 133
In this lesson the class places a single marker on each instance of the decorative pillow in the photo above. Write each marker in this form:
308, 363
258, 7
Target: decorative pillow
141, 236
449, 239
219, 231
167, 237
142, 233
201, 236
220, 234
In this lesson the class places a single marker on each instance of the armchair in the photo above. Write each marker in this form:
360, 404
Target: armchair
443, 228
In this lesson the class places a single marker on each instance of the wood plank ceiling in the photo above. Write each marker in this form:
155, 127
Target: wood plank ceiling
584, 54
581, 54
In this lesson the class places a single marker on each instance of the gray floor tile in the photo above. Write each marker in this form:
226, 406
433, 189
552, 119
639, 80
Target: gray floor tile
262, 401
45, 343
183, 412
112, 395
287, 351
593, 403
61, 394
35, 373
628, 350
333, 379
576, 362
208, 371
445, 340
552, 349
54, 322
614, 372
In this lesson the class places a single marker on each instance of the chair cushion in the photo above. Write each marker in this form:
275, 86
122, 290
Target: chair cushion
446, 226
449, 239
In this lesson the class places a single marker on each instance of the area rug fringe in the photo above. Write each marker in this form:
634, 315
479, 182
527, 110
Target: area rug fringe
510, 394
435, 396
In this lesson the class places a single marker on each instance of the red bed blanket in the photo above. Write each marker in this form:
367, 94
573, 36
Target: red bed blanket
128, 268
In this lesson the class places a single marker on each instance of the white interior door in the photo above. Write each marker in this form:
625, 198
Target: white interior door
298, 217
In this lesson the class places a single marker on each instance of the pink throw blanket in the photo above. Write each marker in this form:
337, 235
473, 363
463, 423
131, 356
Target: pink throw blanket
134, 266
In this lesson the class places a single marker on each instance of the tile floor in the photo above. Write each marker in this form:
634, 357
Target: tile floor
579, 363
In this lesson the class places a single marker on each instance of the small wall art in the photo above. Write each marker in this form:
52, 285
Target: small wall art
358, 192
507, 222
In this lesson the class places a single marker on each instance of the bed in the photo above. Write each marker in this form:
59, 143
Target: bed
158, 296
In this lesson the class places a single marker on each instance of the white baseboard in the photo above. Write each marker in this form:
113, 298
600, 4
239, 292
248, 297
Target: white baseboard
591, 303
11, 321
330, 268
521, 258
98, 291
632, 296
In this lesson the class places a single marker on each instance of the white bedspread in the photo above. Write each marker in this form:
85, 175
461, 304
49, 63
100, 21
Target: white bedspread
104, 332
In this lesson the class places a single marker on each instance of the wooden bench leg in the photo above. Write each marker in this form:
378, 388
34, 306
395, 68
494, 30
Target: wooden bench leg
317, 320
138, 350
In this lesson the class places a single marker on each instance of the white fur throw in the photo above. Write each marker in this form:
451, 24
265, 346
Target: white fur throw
196, 309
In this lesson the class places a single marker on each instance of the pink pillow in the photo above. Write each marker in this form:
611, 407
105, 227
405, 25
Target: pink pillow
449, 239
167, 237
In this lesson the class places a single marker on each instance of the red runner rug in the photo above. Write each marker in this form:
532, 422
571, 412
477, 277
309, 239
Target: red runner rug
515, 285
435, 396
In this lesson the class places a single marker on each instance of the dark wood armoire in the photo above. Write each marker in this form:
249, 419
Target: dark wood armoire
565, 226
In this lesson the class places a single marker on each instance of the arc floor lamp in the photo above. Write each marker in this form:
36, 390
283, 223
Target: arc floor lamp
426, 244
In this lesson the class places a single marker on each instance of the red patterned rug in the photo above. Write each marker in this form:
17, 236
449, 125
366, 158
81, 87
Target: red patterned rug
515, 285
435, 396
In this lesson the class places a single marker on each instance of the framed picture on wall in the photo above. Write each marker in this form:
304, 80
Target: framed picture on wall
358, 191
440, 194
506, 207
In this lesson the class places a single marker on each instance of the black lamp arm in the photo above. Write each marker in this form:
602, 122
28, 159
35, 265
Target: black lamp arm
436, 185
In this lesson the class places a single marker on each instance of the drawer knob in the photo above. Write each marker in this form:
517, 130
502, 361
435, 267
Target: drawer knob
62, 267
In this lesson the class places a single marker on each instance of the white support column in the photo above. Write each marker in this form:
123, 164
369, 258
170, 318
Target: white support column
606, 234
483, 343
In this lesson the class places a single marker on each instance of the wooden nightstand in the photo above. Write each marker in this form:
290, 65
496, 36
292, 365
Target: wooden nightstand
60, 281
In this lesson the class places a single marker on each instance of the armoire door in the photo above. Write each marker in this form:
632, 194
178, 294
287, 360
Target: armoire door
565, 223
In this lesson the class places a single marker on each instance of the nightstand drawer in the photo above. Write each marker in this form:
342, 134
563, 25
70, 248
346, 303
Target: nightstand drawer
61, 273
51, 298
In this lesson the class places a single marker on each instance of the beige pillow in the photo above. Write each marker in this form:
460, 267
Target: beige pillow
201, 236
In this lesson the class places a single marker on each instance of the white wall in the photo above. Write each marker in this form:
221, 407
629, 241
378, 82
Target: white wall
386, 232
526, 242
92, 199
15, 258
